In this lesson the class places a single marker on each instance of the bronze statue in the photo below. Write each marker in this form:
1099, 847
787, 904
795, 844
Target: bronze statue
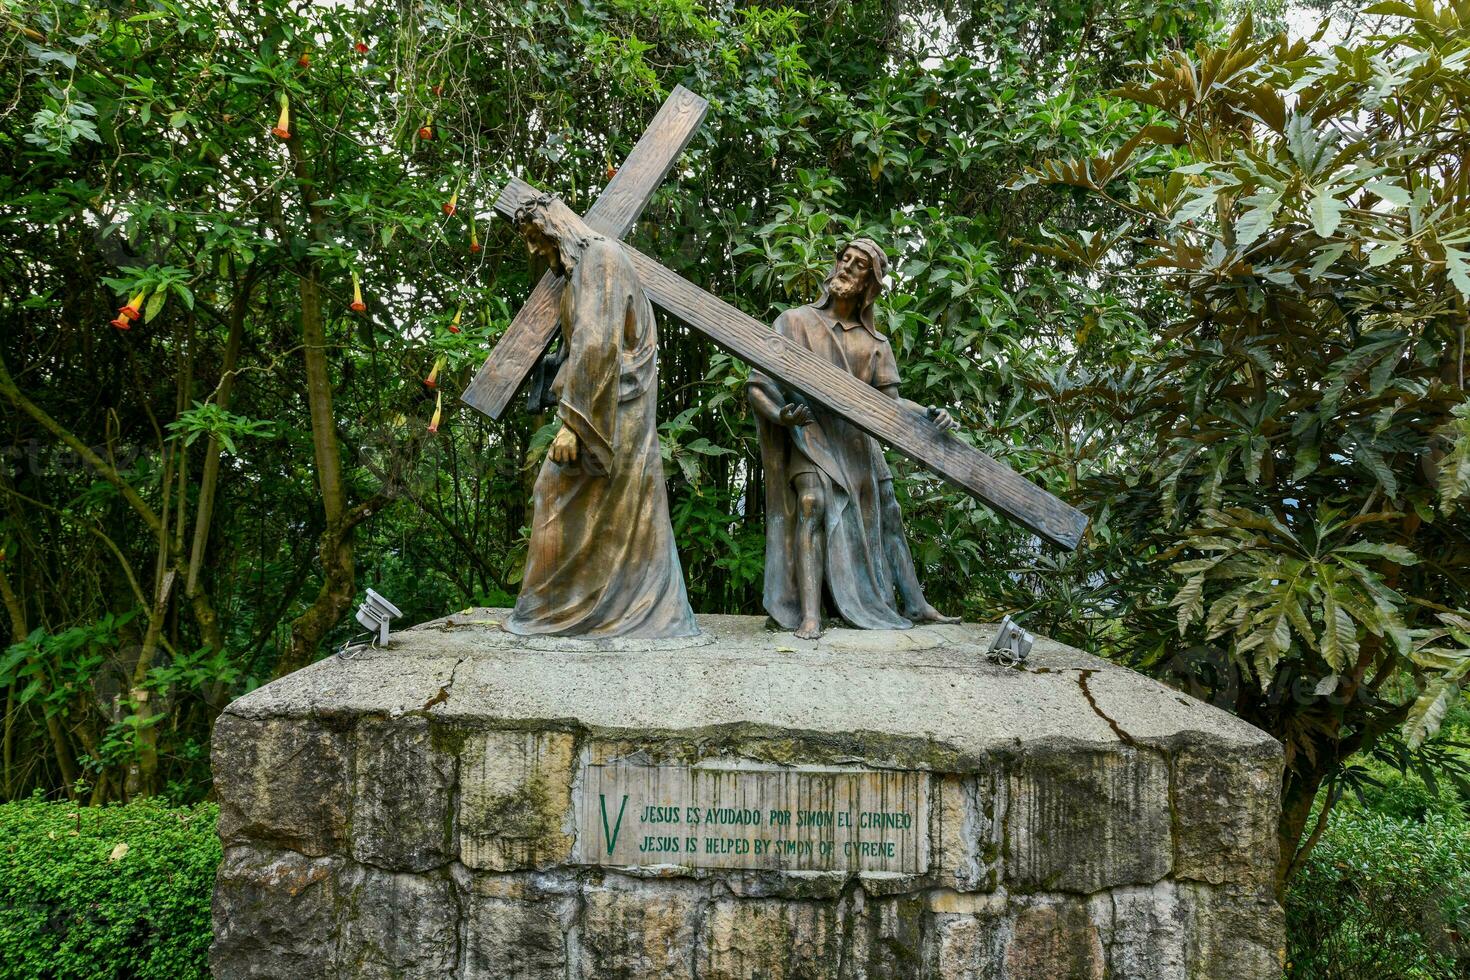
832, 519
601, 561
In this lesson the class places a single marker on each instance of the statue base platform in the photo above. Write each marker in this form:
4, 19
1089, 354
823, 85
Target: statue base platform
470, 804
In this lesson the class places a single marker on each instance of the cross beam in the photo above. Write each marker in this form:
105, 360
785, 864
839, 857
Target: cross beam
907, 431
613, 213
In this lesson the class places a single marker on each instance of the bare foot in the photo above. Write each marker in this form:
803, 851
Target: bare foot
809, 629
931, 615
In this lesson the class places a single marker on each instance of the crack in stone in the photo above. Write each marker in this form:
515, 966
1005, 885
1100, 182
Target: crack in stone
1124, 737
443, 694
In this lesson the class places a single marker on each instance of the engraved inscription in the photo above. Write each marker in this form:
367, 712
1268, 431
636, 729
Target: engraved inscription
770, 818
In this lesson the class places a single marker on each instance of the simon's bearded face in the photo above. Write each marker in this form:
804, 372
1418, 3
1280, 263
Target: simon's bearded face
852, 274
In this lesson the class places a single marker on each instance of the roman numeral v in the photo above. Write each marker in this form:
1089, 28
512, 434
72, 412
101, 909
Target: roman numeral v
611, 836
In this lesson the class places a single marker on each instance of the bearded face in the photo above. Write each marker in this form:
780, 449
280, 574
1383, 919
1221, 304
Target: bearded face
552, 231
539, 243
851, 275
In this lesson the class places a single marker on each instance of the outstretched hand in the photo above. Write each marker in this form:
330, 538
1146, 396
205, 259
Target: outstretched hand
942, 418
793, 415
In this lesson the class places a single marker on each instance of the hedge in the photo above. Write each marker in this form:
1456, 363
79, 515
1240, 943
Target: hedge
115, 891
1385, 895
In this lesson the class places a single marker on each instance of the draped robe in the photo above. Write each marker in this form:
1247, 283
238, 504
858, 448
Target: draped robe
854, 477
602, 561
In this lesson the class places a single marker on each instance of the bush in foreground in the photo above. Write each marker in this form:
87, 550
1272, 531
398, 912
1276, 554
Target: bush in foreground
1384, 897
116, 891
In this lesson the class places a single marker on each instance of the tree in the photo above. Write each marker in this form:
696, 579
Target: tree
1305, 408
191, 504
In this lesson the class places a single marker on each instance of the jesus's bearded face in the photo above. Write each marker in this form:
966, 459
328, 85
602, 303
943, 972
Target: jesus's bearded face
541, 244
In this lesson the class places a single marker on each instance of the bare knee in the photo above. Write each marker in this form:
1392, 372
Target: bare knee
810, 503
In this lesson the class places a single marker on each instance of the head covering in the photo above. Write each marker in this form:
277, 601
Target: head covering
558, 223
877, 270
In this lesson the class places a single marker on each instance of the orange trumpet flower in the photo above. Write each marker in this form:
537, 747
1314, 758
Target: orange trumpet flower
282, 128
438, 414
426, 131
134, 309
449, 206
454, 324
474, 239
357, 305
432, 381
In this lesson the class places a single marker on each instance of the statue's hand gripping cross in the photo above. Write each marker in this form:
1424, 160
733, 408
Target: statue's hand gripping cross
907, 431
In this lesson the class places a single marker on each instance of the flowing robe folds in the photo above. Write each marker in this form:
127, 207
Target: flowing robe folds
854, 476
602, 560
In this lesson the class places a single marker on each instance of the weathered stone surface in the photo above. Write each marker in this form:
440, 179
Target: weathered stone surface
274, 915
401, 792
1233, 932
507, 938
281, 781
1145, 930
928, 689
515, 799
970, 945
377, 828
991, 938
1225, 817
967, 828
643, 932
1054, 939
885, 938
1085, 821
779, 940
396, 926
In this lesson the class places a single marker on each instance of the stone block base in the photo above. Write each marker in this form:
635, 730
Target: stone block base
469, 804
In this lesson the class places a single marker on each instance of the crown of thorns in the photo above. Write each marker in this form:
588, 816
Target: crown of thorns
527, 212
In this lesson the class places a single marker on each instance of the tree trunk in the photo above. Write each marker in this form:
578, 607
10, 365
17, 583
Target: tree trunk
339, 572
1298, 793
18, 632
209, 478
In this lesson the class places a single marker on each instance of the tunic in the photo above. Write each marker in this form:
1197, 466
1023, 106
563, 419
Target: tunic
601, 560
854, 476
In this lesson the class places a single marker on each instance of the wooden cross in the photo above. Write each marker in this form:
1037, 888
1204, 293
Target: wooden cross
907, 431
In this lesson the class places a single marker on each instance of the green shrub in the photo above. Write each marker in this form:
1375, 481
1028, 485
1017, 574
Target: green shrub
74, 903
1384, 897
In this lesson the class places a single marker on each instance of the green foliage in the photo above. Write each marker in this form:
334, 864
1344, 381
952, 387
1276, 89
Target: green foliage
114, 891
1384, 896
207, 418
1308, 208
142, 157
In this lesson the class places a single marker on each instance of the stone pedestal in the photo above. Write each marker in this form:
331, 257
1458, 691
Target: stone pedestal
470, 804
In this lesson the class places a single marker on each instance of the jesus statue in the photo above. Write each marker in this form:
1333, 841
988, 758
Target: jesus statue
601, 561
